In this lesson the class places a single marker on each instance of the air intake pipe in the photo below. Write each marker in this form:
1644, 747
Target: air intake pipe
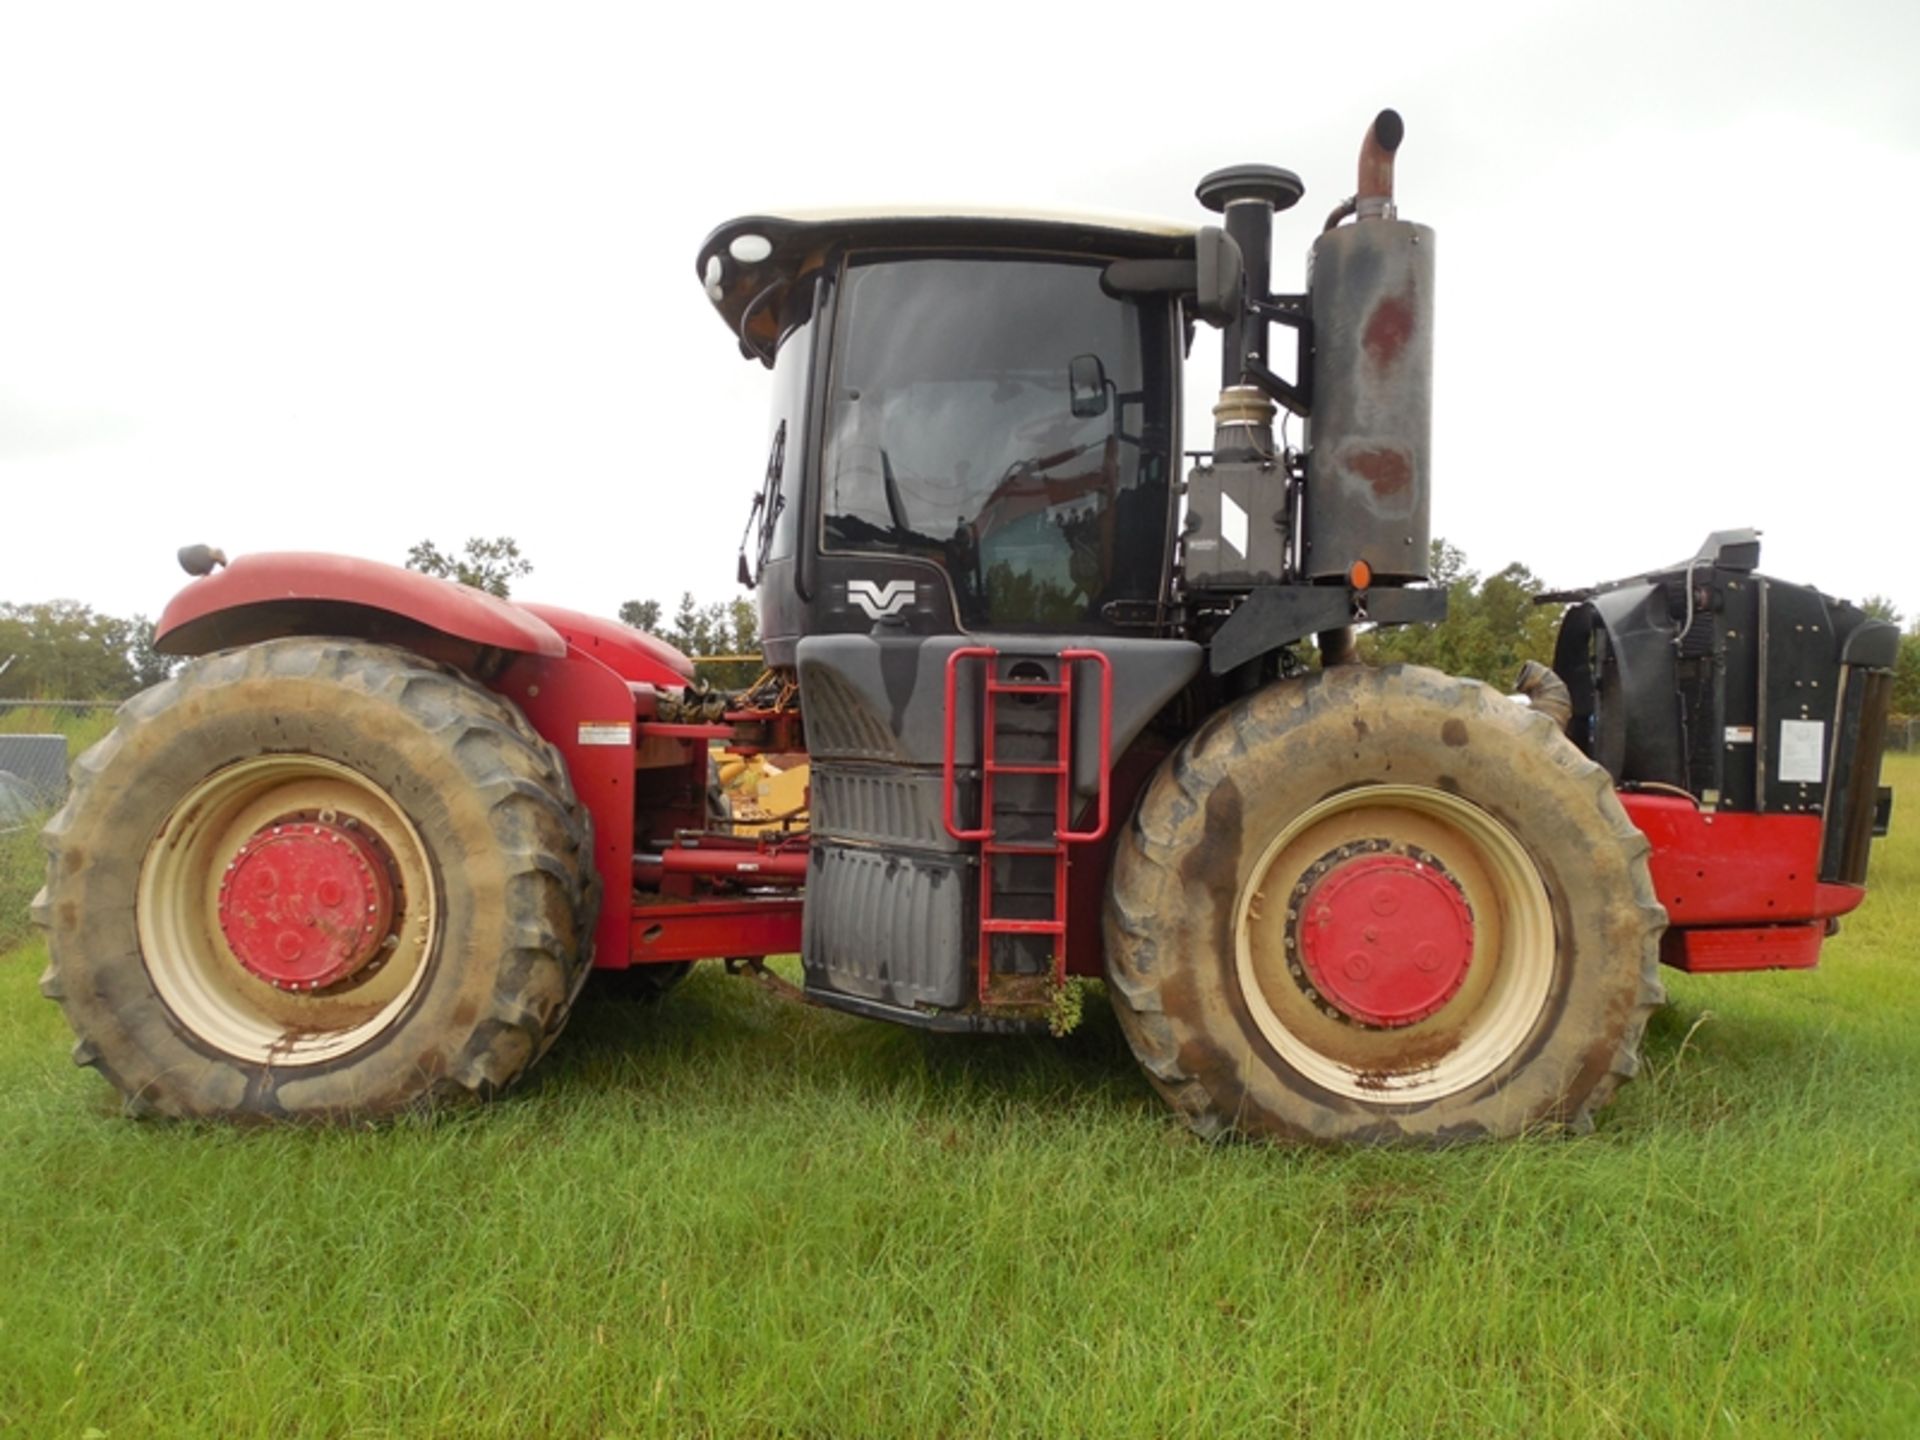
1546, 692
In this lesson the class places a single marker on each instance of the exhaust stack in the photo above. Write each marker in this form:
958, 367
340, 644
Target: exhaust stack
1370, 289
1373, 195
1364, 382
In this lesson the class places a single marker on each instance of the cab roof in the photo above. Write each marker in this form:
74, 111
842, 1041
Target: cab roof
748, 265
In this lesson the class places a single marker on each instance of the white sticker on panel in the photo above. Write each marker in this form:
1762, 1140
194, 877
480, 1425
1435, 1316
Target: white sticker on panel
605, 734
1233, 525
1803, 751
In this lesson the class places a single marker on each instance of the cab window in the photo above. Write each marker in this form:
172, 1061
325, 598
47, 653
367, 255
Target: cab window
1009, 420
786, 443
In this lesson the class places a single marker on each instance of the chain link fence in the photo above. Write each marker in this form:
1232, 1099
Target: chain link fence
37, 740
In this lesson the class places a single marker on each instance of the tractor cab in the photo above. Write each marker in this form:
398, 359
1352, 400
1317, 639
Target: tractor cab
976, 555
973, 430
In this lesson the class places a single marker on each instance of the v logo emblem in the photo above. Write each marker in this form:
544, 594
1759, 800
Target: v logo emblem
881, 601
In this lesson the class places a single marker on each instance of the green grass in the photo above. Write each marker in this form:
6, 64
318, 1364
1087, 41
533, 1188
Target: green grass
732, 1217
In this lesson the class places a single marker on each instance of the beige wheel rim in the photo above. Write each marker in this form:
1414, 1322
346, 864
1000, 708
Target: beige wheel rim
189, 958
1505, 985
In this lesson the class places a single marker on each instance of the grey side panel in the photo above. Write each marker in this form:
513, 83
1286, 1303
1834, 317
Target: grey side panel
888, 926
892, 898
888, 805
883, 697
843, 720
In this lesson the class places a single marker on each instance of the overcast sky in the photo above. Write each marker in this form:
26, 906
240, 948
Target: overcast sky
341, 277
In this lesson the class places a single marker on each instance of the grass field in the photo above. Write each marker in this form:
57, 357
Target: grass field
731, 1217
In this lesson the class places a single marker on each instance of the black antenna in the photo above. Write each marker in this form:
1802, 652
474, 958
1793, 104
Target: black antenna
1249, 196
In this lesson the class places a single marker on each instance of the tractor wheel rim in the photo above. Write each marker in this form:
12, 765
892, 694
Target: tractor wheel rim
283, 978
1434, 1009
307, 904
1385, 938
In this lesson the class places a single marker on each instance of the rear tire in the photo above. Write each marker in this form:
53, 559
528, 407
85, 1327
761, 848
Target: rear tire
1357, 793
201, 990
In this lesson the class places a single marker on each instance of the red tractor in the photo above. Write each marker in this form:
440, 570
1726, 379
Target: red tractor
1068, 715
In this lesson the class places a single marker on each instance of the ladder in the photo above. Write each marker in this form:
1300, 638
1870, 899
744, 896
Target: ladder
1041, 774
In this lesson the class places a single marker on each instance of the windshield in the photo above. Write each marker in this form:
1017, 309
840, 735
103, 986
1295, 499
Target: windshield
968, 423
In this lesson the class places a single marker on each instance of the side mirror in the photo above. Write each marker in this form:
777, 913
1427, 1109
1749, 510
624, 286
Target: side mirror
1087, 384
1215, 277
1219, 277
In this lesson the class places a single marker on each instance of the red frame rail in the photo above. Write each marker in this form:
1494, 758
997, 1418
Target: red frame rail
708, 929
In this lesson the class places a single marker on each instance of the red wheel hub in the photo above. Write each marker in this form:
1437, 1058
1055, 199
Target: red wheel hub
1386, 939
306, 903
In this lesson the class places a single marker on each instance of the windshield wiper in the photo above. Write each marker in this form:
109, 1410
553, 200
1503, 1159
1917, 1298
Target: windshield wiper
896, 507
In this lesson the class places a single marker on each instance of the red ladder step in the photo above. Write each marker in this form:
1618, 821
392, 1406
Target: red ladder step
1060, 769
1025, 687
999, 925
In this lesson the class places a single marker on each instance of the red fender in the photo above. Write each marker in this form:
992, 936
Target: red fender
631, 654
570, 674
259, 597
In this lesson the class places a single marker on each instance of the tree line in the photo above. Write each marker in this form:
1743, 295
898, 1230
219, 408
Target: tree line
63, 650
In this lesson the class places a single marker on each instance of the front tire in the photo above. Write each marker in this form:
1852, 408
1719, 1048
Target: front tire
1382, 906
319, 880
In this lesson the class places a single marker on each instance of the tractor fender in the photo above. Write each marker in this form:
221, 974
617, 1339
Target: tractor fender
571, 675
263, 597
631, 654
